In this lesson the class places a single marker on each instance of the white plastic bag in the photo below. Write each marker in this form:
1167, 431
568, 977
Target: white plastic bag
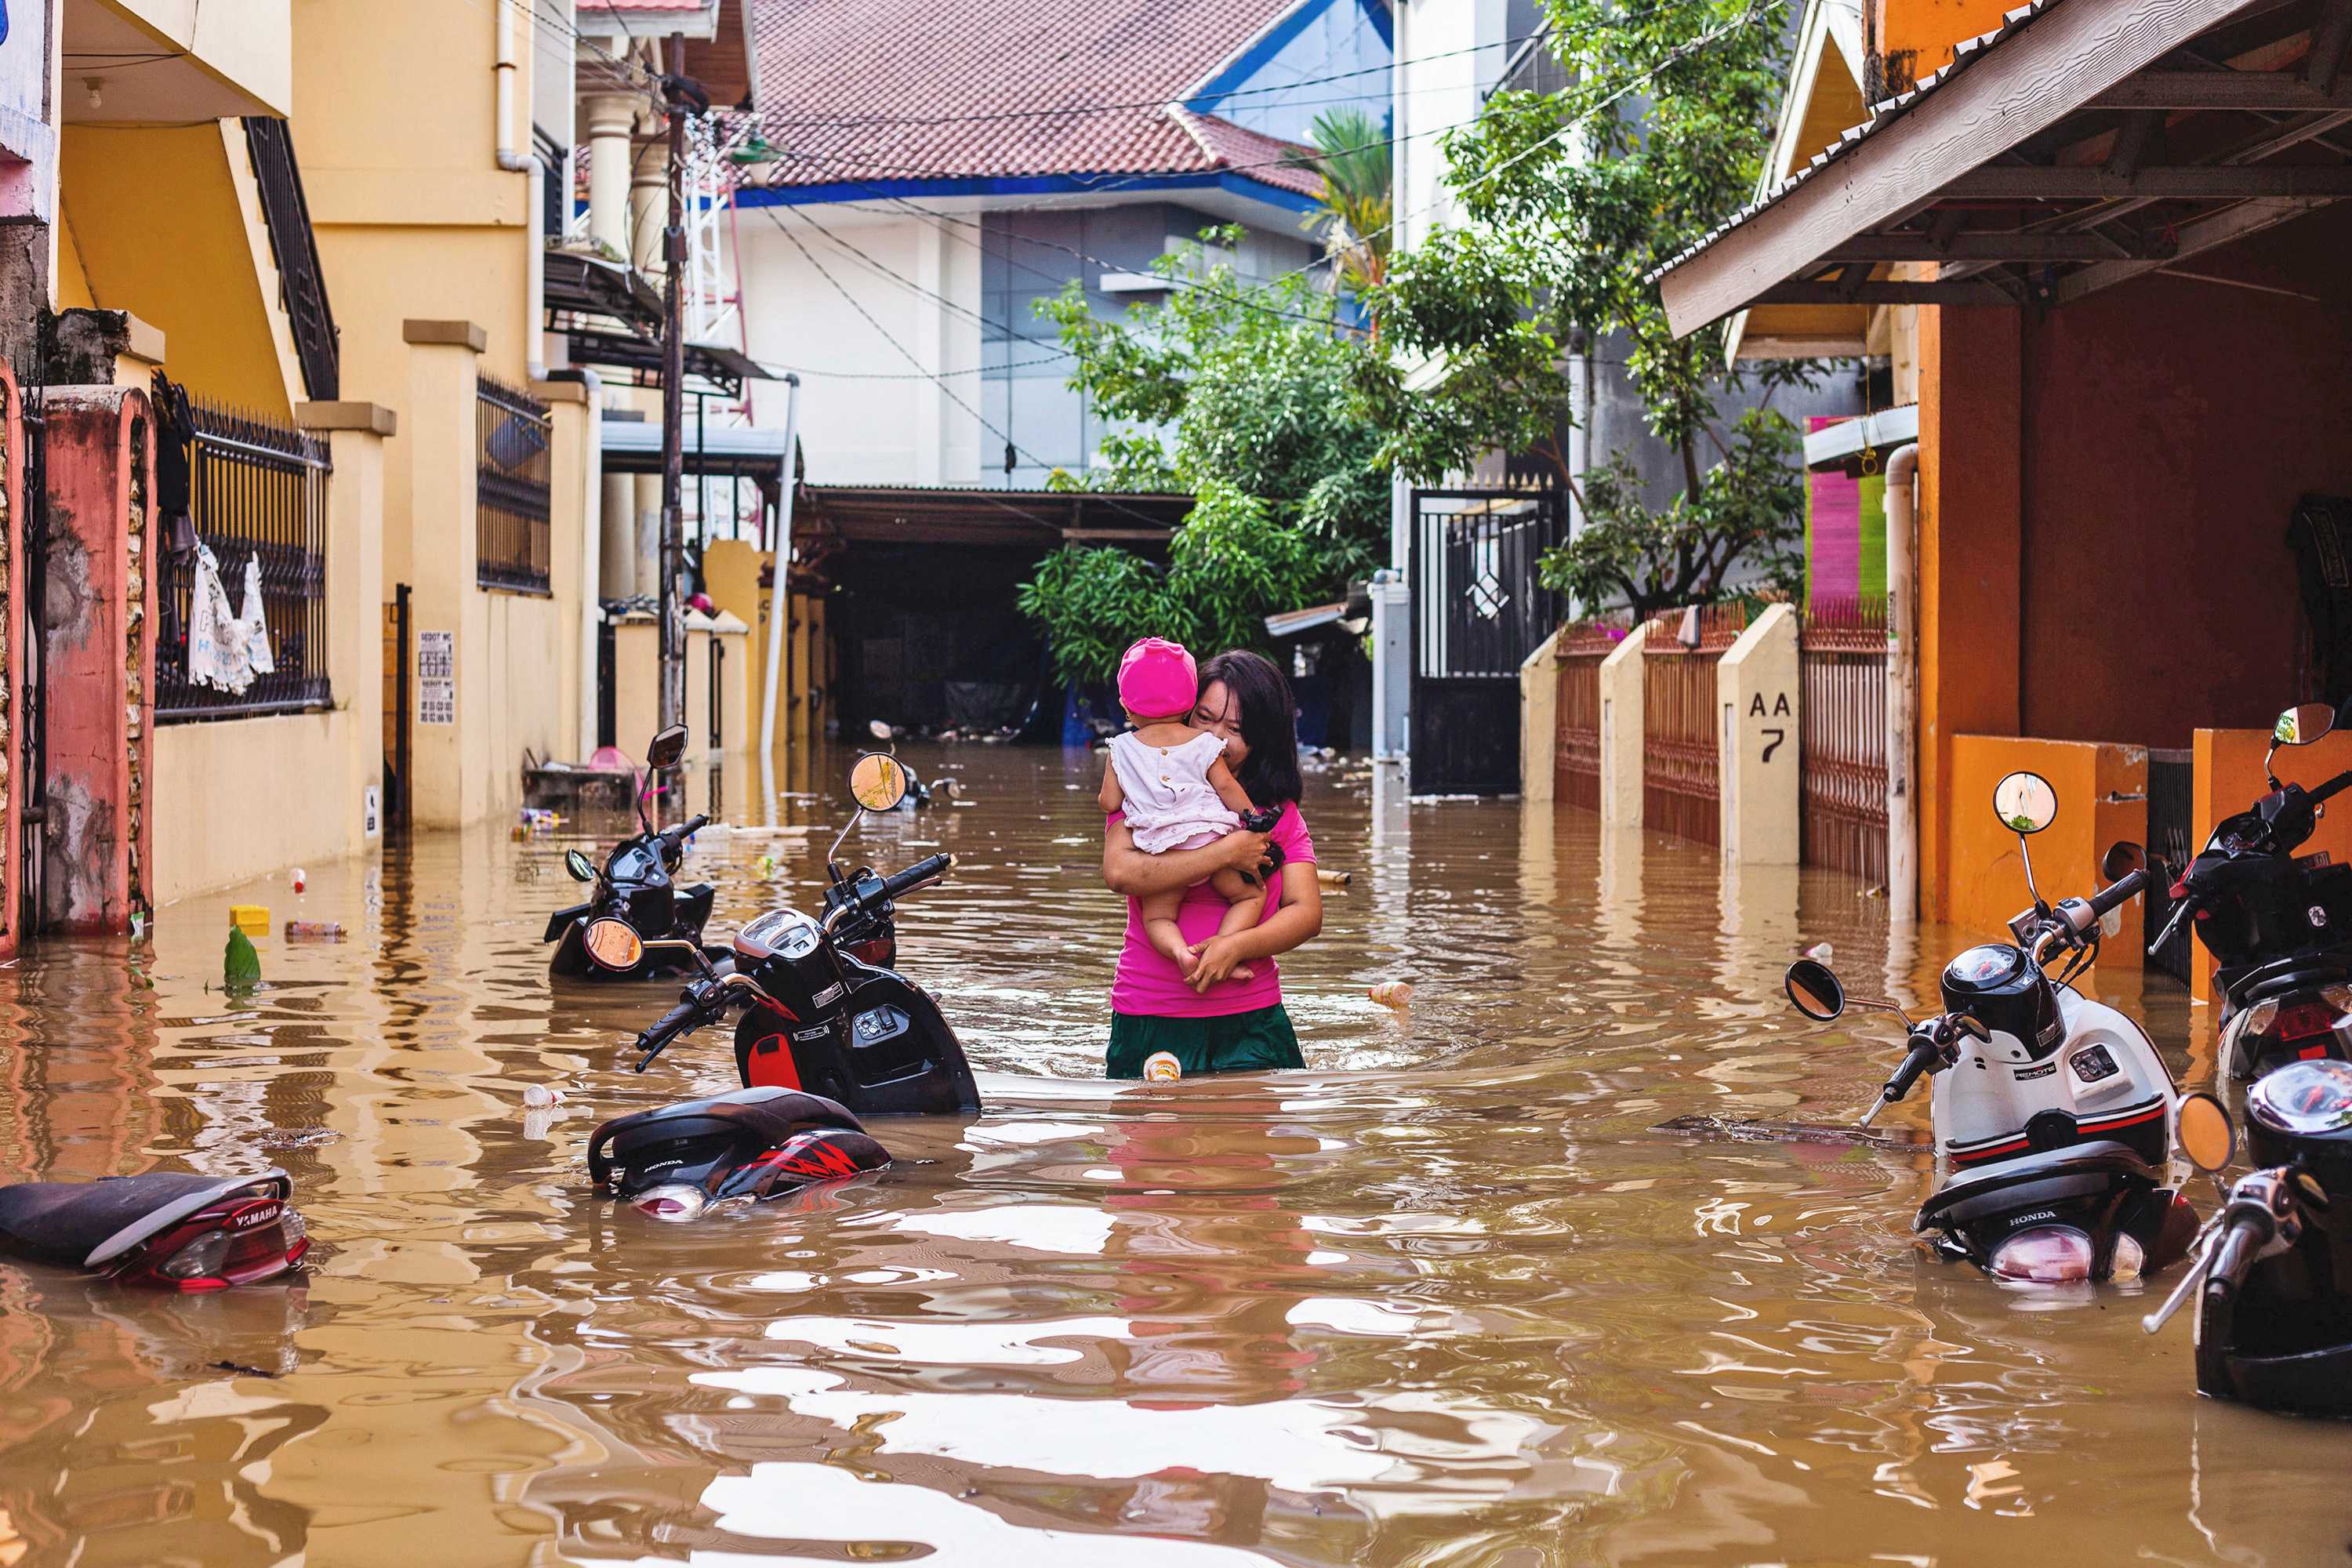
256, 626
216, 656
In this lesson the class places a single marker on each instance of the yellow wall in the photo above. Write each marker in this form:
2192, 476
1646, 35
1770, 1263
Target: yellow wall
206, 777
242, 43
161, 222
2102, 800
528, 637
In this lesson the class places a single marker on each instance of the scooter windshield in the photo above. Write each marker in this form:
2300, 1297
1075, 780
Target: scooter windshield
2304, 1096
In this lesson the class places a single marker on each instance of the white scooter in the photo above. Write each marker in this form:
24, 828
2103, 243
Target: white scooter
2052, 1112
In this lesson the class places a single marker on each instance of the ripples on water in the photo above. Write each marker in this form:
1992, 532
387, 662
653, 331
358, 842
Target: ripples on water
1443, 1298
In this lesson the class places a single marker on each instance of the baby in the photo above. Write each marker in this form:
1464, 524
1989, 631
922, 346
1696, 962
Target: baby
1173, 782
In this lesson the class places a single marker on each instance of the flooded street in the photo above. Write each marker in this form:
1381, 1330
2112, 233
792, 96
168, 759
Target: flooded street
1443, 1298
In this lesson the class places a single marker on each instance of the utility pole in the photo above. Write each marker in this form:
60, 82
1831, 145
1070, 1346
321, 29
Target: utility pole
682, 96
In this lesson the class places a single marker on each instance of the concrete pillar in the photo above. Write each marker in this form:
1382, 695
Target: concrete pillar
648, 205
356, 433
98, 659
451, 756
1621, 732
645, 538
575, 504
1539, 721
1757, 692
612, 116
617, 576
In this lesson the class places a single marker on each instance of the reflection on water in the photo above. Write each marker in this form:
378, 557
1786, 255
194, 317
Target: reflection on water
1443, 1298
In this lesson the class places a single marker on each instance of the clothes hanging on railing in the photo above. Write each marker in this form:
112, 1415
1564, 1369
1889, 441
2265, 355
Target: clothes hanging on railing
256, 626
217, 655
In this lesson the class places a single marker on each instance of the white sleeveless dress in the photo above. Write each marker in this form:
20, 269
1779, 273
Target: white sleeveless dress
1169, 800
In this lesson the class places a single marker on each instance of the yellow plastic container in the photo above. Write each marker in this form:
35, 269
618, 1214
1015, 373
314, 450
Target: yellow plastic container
253, 920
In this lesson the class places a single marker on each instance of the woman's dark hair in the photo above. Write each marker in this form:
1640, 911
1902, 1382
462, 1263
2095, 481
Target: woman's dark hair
1269, 723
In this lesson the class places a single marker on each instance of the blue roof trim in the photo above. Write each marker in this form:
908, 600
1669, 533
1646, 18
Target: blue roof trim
1023, 185
1205, 98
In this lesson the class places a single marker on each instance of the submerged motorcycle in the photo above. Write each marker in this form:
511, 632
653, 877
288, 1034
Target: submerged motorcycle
2052, 1112
635, 888
826, 1037
165, 1230
2278, 924
2272, 1275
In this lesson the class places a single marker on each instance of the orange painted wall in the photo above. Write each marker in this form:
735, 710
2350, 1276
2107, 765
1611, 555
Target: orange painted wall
2102, 800
1968, 529
1902, 40
2229, 779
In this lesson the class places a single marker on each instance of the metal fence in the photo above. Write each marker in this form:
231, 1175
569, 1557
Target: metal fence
257, 492
512, 433
1577, 757
1681, 767
2171, 838
1842, 664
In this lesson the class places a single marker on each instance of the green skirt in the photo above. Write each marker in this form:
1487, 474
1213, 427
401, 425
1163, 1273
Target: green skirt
1239, 1042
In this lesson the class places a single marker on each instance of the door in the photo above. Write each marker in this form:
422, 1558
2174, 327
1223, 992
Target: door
1479, 609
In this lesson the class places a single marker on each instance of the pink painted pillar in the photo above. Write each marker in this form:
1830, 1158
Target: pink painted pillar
97, 679
12, 655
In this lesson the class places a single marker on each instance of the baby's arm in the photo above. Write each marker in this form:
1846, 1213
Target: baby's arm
1229, 788
1112, 796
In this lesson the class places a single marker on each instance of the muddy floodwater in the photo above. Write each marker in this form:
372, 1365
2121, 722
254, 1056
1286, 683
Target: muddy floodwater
1443, 1298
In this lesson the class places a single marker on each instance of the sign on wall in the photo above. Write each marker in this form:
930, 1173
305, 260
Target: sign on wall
436, 677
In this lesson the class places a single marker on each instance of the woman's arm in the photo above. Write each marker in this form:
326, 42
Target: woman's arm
1299, 919
1128, 870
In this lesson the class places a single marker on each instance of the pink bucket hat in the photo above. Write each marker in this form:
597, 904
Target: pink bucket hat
1157, 678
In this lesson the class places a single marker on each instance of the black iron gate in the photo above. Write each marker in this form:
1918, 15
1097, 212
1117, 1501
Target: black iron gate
32, 706
398, 777
2171, 805
1478, 610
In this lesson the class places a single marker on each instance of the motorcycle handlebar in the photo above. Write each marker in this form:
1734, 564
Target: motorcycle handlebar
2124, 887
2234, 1254
686, 829
2331, 786
1921, 1056
669, 1026
2181, 911
916, 875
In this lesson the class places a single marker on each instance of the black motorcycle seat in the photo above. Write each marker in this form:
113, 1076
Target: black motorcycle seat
2296, 972
88, 1224
2075, 1169
767, 1114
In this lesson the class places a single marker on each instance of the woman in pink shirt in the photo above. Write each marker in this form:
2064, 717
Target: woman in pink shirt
1228, 1016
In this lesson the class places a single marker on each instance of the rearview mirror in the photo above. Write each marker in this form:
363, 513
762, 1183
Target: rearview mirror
582, 869
1814, 990
665, 747
2303, 724
2025, 803
2123, 857
877, 782
2208, 1136
612, 944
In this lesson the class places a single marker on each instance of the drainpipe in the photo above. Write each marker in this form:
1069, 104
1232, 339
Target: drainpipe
1902, 686
779, 595
534, 195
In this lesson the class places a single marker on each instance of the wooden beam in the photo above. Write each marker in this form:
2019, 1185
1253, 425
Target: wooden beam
1986, 248
1811, 293
2032, 79
2328, 40
2209, 233
2253, 92
2206, 183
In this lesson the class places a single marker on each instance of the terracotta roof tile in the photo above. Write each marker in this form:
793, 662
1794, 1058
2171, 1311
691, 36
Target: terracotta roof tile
892, 90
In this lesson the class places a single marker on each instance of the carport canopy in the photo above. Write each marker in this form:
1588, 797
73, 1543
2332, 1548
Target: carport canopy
2081, 143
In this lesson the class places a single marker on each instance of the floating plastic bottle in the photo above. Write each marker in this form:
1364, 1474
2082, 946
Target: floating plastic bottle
1397, 994
314, 930
301, 878
539, 1097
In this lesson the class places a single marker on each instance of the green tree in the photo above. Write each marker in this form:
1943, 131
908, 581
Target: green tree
1569, 201
1240, 394
1356, 210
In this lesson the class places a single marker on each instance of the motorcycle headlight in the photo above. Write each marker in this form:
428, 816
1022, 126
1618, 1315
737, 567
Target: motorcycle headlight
675, 1203
2046, 1255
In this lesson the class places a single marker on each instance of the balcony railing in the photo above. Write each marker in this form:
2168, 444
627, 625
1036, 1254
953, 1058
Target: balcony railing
257, 492
512, 431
